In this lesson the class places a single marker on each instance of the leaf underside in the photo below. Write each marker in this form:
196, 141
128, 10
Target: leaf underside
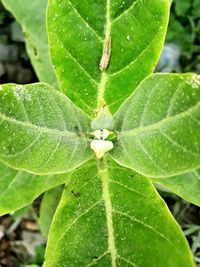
48, 207
42, 132
18, 189
158, 127
187, 185
80, 29
111, 216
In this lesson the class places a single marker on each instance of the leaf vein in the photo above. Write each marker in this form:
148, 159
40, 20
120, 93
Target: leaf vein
81, 100
158, 125
42, 129
196, 174
25, 149
76, 220
148, 155
92, 80
138, 57
128, 188
146, 104
99, 258
174, 143
85, 22
173, 99
147, 226
11, 183
127, 261
53, 152
125, 11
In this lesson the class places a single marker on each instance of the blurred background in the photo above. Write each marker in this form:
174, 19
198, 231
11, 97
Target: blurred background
21, 243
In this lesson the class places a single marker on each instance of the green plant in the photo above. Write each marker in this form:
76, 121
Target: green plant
184, 28
143, 128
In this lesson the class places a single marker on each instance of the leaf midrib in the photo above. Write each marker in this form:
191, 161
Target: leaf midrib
103, 175
102, 168
42, 129
157, 125
104, 75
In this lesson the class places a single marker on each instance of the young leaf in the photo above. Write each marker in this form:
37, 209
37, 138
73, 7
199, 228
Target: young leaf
187, 185
41, 130
102, 50
18, 189
31, 16
158, 127
48, 207
114, 217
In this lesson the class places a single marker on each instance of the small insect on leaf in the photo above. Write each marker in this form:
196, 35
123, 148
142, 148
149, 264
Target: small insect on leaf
106, 55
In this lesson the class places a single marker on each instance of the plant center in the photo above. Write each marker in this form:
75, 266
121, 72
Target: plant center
100, 145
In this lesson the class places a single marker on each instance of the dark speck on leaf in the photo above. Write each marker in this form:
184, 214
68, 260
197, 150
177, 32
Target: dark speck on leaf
35, 51
76, 194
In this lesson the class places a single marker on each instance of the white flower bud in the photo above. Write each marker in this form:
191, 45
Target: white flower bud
100, 147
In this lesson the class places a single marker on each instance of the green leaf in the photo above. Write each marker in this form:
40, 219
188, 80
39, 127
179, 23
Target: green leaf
31, 16
182, 7
187, 185
18, 189
48, 207
41, 130
129, 33
114, 217
158, 127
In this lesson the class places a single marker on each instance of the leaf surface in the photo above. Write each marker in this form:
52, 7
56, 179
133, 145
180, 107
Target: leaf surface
129, 33
32, 17
18, 189
158, 127
111, 216
48, 207
187, 185
41, 130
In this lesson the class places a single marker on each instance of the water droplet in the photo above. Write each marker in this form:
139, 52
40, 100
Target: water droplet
128, 37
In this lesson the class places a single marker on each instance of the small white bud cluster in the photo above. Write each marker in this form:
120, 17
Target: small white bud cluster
100, 146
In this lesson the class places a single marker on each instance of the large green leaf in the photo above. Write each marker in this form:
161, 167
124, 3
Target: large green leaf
187, 185
129, 33
41, 130
112, 216
31, 15
18, 189
158, 127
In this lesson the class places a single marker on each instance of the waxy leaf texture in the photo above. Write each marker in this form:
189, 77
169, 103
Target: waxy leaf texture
158, 127
42, 132
112, 216
80, 32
